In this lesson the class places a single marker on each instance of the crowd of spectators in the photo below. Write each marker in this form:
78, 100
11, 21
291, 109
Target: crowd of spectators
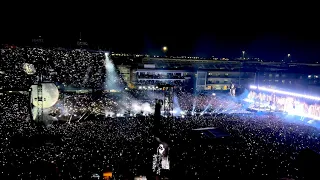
263, 147
75, 68
259, 146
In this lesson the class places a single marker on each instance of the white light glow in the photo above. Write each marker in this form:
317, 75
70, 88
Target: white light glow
285, 93
136, 107
253, 87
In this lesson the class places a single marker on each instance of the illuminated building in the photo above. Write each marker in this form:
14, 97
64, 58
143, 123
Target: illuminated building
210, 74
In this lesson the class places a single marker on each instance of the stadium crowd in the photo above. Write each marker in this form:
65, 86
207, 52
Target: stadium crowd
259, 146
74, 68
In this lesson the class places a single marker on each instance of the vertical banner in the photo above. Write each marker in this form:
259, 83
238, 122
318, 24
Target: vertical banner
161, 159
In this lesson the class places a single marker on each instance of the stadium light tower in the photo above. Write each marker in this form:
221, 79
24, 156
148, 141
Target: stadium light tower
164, 49
243, 52
287, 58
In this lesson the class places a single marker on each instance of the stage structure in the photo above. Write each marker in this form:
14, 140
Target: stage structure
168, 91
43, 94
40, 100
29, 69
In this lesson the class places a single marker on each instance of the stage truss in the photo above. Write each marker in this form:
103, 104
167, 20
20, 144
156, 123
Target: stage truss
168, 99
40, 102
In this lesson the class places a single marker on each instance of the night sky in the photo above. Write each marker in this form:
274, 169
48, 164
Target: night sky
267, 36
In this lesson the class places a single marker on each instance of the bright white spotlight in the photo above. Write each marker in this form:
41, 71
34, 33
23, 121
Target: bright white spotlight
164, 48
286, 93
146, 107
253, 87
136, 107
106, 54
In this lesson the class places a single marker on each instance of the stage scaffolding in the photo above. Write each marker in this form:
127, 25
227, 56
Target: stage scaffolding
40, 102
168, 91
